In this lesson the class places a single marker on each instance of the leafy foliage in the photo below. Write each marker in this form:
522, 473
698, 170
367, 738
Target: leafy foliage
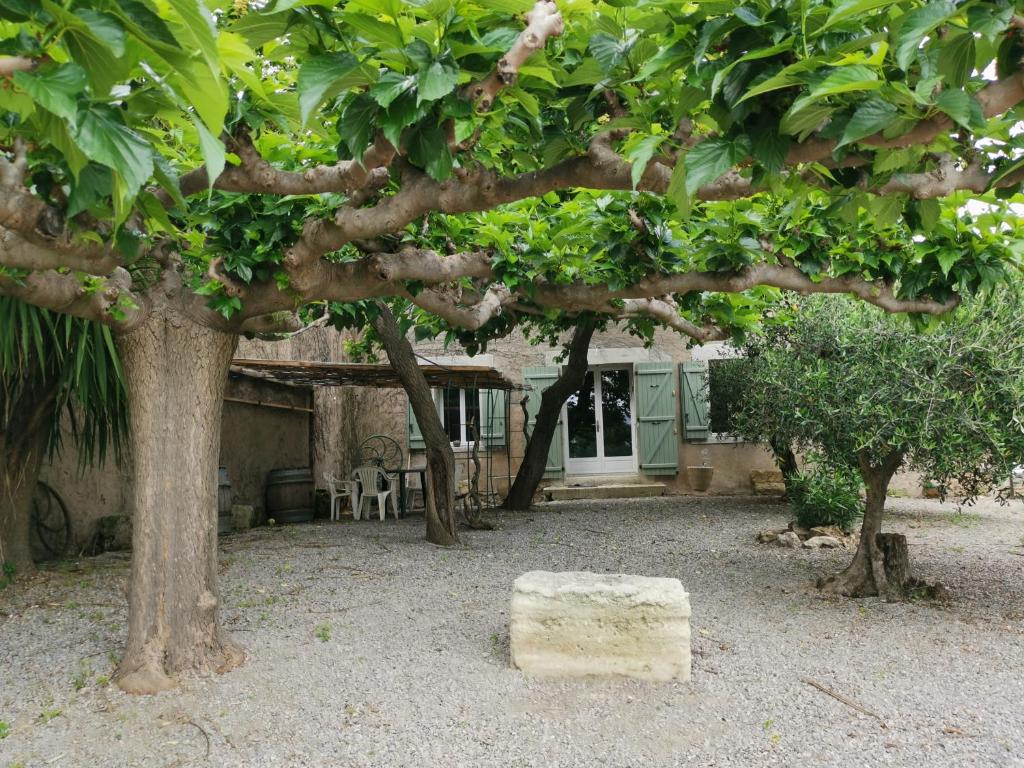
825, 494
858, 386
69, 363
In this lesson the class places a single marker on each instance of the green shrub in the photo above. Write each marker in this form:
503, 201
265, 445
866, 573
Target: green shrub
826, 495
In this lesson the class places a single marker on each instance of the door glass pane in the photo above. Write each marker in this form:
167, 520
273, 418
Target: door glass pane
451, 414
582, 421
616, 413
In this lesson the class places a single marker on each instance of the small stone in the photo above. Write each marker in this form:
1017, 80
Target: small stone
823, 542
765, 537
788, 539
241, 517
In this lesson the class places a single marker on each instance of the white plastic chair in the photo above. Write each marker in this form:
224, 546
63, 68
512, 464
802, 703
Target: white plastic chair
340, 490
371, 480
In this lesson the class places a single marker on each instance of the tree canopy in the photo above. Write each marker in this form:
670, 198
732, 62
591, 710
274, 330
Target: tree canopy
271, 155
873, 394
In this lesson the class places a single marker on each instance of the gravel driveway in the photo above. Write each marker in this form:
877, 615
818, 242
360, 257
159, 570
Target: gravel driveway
369, 647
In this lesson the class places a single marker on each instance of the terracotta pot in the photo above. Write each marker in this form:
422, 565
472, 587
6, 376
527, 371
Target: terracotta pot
699, 478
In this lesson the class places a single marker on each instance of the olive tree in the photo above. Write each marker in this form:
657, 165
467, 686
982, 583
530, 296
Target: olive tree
872, 392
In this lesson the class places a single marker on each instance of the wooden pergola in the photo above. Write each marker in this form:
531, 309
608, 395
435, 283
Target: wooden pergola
306, 373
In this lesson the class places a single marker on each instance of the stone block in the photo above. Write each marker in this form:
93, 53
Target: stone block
578, 624
241, 517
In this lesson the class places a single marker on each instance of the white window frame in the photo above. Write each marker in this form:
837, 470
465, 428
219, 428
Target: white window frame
717, 350
464, 443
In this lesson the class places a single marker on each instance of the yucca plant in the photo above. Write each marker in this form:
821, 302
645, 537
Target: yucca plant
54, 369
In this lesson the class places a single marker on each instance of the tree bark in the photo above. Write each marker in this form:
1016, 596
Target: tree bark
785, 460
439, 498
866, 575
176, 372
531, 471
22, 450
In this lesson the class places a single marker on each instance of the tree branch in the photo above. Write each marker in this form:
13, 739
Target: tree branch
64, 292
11, 64
666, 311
542, 22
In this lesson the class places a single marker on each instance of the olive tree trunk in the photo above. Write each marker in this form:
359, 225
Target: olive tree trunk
176, 372
439, 496
22, 450
531, 471
785, 460
881, 564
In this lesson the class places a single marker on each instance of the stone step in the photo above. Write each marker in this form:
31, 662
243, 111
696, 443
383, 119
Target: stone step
607, 491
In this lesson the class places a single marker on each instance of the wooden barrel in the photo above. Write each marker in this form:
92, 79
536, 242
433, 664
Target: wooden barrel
223, 501
289, 497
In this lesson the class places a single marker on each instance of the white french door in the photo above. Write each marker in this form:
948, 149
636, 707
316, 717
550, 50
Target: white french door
600, 423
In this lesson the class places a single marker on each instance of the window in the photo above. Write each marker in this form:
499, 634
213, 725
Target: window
460, 414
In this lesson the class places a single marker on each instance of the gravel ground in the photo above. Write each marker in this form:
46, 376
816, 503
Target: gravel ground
369, 647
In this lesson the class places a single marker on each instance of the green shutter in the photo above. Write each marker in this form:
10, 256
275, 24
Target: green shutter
415, 436
656, 418
492, 414
696, 418
539, 379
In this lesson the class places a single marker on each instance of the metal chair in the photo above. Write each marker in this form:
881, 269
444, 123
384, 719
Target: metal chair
374, 482
340, 490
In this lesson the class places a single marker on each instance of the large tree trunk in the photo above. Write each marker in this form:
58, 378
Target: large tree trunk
439, 497
22, 450
531, 471
176, 372
869, 573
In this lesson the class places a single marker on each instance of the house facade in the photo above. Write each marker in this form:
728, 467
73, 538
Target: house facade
642, 415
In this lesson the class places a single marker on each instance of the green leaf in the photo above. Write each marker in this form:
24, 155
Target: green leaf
855, 77
212, 150
769, 148
390, 86
710, 159
956, 59
853, 8
676, 191
963, 108
947, 257
800, 122
95, 57
108, 142
324, 77
916, 25
55, 89
428, 149
640, 155
356, 124
748, 17
437, 80
104, 28
871, 117
94, 183
374, 31
929, 211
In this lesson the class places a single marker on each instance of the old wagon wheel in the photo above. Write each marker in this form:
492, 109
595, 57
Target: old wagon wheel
51, 524
382, 451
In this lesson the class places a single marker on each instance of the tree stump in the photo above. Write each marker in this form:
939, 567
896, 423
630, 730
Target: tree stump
896, 557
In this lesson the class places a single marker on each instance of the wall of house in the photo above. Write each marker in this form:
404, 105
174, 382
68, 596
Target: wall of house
733, 462
254, 440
